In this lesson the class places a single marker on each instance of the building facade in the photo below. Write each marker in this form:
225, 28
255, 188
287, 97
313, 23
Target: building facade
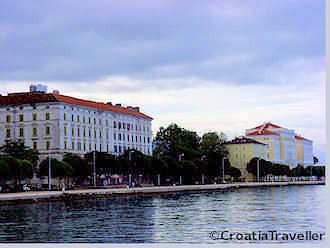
241, 150
55, 124
285, 146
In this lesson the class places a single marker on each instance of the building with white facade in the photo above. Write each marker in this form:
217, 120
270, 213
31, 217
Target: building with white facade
284, 145
55, 124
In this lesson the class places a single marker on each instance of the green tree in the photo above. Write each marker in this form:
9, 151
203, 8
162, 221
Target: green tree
58, 168
265, 167
80, 168
174, 140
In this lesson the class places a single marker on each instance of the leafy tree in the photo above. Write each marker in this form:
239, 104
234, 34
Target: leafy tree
265, 167
234, 172
19, 169
280, 170
18, 150
80, 168
58, 168
174, 140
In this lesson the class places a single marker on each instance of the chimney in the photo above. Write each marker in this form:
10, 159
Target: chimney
109, 103
118, 104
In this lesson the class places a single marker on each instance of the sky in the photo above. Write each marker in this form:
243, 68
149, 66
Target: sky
207, 65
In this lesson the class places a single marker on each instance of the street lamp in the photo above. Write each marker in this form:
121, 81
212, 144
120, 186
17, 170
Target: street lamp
223, 169
258, 169
49, 173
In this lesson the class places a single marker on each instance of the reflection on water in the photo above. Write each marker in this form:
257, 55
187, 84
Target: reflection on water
182, 217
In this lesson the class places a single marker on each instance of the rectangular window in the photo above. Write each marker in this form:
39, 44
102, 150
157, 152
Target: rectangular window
124, 125
119, 149
21, 132
34, 116
89, 132
78, 131
72, 132
78, 118
89, 120
35, 145
72, 118
119, 136
47, 116
90, 147
119, 125
100, 147
65, 145
115, 148
47, 145
84, 146
114, 124
84, 132
79, 146
21, 118
100, 134
114, 136
94, 121
84, 119
148, 140
8, 118
128, 138
64, 116
8, 133
65, 131
123, 136
34, 132
95, 133
47, 130
72, 145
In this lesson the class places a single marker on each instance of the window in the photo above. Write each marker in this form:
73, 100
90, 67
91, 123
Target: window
90, 146
78, 132
114, 124
114, 136
72, 145
119, 149
34, 116
65, 145
124, 125
79, 146
100, 134
34, 132
100, 147
47, 116
8, 118
84, 132
123, 136
128, 126
89, 132
84, 119
65, 131
144, 140
21, 117
84, 146
136, 138
78, 118
47, 145
119, 136
127, 137
72, 132
47, 130
94, 121
35, 145
64, 116
21, 132
95, 133
89, 120
115, 148
8, 133
148, 140
72, 118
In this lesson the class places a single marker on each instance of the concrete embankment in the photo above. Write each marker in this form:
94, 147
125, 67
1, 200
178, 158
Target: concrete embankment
42, 196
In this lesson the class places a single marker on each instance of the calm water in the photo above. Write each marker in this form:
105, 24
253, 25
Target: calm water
183, 217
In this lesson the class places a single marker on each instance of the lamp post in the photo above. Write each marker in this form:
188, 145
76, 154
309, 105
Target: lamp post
49, 173
223, 169
258, 169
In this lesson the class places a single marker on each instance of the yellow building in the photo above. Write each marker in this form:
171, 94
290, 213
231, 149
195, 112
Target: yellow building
241, 150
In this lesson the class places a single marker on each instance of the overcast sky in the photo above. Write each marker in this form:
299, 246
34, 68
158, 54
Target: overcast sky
206, 65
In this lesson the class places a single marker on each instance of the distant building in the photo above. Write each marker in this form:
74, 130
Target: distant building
285, 146
56, 124
241, 150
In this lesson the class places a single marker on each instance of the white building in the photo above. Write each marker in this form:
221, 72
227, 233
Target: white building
56, 124
285, 146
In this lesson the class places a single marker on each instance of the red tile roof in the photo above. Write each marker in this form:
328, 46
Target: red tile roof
300, 138
267, 125
38, 97
243, 140
262, 132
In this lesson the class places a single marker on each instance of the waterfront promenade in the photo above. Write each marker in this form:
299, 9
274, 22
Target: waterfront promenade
40, 196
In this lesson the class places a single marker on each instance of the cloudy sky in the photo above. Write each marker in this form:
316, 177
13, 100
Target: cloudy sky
222, 65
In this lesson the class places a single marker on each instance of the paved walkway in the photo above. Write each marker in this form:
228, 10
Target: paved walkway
44, 195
